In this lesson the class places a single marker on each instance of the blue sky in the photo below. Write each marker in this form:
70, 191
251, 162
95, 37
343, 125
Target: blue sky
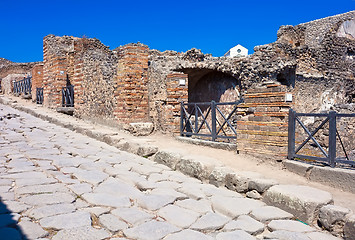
212, 26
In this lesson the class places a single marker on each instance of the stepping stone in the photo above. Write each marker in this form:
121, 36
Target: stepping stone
66, 221
104, 199
245, 223
210, 222
150, 230
301, 201
238, 234
51, 210
178, 216
112, 223
289, 225
32, 230
234, 207
188, 234
82, 233
132, 215
268, 213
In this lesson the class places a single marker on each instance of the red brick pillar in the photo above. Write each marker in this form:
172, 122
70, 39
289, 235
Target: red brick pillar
37, 79
132, 91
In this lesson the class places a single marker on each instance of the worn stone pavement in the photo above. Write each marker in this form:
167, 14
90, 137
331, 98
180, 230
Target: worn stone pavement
58, 184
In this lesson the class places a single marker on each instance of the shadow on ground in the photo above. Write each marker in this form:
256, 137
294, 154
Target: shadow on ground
9, 228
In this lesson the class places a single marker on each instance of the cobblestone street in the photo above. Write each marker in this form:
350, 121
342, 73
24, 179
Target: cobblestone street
58, 184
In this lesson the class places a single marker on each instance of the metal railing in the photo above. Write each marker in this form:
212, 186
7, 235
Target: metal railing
39, 95
330, 156
23, 86
68, 96
207, 119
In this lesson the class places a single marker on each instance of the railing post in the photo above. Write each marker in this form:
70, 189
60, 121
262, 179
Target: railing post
196, 118
213, 117
291, 133
181, 117
332, 138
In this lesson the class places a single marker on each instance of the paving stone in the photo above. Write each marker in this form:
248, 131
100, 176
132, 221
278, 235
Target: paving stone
178, 216
155, 202
301, 201
193, 190
321, 236
188, 234
286, 235
4, 189
201, 206
238, 234
97, 211
91, 176
68, 162
146, 169
25, 175
268, 213
51, 210
168, 184
118, 188
34, 181
261, 184
112, 222
44, 199
330, 214
32, 230
10, 234
211, 190
81, 188
245, 223
66, 221
168, 191
45, 188
15, 206
5, 182
151, 230
132, 215
234, 207
289, 225
82, 233
66, 179
210, 222
104, 199
253, 194
79, 203
22, 169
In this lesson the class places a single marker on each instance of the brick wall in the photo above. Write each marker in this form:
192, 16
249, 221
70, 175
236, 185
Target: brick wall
176, 92
132, 89
263, 121
37, 79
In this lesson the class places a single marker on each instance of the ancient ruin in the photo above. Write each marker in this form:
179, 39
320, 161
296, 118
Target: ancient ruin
310, 63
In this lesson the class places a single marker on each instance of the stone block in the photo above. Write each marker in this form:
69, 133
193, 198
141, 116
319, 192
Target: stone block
218, 176
239, 181
349, 228
302, 201
196, 166
339, 178
141, 128
168, 157
261, 184
333, 218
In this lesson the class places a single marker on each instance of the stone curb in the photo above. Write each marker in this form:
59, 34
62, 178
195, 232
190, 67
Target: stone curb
336, 177
206, 170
